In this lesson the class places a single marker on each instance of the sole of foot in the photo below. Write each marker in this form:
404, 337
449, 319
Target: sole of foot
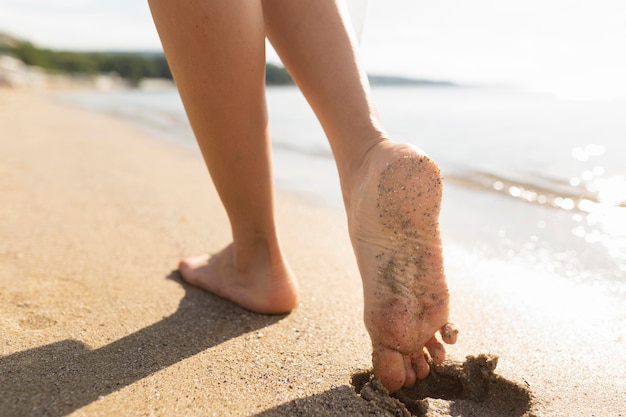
393, 217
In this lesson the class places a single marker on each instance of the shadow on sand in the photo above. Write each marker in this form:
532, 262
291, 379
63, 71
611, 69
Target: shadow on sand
56, 379
339, 401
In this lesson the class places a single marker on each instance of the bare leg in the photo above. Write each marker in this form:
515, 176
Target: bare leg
216, 50
392, 192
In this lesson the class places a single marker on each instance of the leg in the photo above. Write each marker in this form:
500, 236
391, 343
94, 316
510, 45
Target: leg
392, 192
216, 51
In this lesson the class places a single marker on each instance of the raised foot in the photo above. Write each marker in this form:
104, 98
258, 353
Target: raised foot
393, 217
267, 287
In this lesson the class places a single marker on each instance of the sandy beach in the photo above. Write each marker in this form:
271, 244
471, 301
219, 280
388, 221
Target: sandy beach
95, 321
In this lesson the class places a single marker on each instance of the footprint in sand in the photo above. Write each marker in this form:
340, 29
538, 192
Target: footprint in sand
36, 322
451, 389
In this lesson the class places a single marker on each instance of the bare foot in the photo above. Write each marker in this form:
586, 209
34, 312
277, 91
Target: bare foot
265, 286
393, 217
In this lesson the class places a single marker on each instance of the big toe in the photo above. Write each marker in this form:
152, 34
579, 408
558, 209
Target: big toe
193, 262
390, 368
190, 268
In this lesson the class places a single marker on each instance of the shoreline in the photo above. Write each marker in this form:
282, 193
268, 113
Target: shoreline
96, 215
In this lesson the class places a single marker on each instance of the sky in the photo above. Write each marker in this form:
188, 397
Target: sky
574, 48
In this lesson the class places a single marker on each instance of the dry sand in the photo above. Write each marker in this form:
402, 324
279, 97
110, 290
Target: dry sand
94, 320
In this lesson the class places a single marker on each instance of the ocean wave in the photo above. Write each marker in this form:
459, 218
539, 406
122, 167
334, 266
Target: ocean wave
549, 191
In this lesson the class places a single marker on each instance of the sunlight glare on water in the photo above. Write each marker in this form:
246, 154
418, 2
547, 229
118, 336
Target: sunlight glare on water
604, 219
583, 154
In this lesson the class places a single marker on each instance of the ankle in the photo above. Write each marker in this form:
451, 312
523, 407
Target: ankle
257, 254
354, 167
247, 255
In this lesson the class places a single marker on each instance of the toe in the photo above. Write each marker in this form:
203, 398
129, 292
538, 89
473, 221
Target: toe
184, 265
194, 261
389, 368
449, 333
418, 360
436, 350
191, 263
410, 376
186, 268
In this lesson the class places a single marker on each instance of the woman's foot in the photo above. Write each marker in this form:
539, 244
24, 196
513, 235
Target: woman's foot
393, 216
265, 285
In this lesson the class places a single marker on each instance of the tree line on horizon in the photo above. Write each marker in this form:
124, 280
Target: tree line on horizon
135, 66
131, 66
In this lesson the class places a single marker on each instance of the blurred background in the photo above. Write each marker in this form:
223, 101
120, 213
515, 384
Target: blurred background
572, 48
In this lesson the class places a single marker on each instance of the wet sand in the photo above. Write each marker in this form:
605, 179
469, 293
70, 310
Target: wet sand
95, 320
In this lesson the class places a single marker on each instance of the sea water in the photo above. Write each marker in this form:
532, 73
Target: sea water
528, 176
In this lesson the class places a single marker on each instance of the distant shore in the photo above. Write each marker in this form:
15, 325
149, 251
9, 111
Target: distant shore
16, 74
23, 64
